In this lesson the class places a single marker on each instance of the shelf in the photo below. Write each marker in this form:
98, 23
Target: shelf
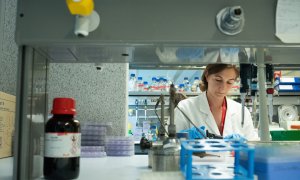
165, 93
158, 93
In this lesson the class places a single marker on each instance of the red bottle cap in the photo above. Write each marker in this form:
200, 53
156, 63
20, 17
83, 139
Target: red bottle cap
270, 91
63, 106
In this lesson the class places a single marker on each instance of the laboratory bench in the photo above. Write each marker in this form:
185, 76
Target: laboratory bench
110, 167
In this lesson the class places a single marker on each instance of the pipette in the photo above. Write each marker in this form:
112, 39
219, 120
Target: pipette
136, 112
253, 88
245, 80
145, 108
270, 89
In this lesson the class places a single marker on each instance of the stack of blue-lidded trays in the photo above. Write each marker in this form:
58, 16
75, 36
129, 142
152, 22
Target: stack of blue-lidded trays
119, 146
93, 139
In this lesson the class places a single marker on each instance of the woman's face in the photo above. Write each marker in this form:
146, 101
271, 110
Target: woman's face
220, 83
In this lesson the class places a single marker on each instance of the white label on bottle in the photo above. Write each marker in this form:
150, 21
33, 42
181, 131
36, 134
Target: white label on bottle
62, 145
287, 80
286, 87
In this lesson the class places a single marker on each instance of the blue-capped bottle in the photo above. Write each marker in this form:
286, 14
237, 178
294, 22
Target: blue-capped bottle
146, 86
132, 83
140, 84
196, 85
154, 85
186, 84
181, 88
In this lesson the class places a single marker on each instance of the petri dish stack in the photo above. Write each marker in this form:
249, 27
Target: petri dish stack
93, 136
119, 146
92, 151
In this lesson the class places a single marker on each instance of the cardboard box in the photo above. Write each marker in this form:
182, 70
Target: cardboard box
7, 123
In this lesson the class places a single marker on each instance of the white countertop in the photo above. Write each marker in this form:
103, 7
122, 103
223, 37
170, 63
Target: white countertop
124, 168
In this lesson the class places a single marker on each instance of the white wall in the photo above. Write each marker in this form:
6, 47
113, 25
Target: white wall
100, 95
8, 47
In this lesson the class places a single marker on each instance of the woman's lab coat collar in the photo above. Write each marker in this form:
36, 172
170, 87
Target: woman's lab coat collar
211, 125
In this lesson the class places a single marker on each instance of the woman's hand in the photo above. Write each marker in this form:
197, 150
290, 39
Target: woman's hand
194, 133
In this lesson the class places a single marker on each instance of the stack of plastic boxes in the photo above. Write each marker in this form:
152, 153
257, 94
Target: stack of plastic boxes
119, 146
93, 136
280, 160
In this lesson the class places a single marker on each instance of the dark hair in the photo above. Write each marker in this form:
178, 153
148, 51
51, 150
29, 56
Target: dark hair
213, 69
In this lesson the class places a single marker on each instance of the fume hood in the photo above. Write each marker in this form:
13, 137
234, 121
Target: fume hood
142, 33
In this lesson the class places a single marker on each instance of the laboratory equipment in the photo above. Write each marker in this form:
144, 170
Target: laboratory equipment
288, 113
276, 160
162, 130
145, 113
230, 20
92, 151
84, 7
86, 19
119, 146
288, 116
164, 153
287, 84
253, 88
135, 44
93, 136
165, 158
270, 89
192, 170
172, 126
245, 80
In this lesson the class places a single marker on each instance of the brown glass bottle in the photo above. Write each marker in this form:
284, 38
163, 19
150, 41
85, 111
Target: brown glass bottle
62, 142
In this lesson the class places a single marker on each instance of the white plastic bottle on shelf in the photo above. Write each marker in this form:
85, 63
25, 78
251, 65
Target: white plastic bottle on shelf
186, 84
164, 84
161, 84
153, 86
146, 86
132, 83
140, 84
196, 85
188, 87
181, 88
168, 84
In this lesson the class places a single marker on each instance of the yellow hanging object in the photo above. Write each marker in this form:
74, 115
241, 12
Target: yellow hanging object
80, 7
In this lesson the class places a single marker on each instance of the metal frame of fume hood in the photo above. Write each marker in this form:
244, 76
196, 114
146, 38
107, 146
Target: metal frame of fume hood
129, 23
2, 19
28, 132
144, 22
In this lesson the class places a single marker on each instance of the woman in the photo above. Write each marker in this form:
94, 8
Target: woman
212, 109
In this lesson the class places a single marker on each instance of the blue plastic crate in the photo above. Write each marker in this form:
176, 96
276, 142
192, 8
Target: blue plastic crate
219, 171
289, 81
276, 161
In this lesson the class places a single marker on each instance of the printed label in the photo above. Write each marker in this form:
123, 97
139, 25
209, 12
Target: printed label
61, 145
287, 80
286, 87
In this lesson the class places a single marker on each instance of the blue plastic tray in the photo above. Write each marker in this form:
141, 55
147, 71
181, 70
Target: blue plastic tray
220, 171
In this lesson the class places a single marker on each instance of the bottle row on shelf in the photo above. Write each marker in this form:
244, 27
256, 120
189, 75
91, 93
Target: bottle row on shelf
162, 84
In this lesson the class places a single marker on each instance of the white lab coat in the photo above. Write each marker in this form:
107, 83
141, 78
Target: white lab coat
197, 109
